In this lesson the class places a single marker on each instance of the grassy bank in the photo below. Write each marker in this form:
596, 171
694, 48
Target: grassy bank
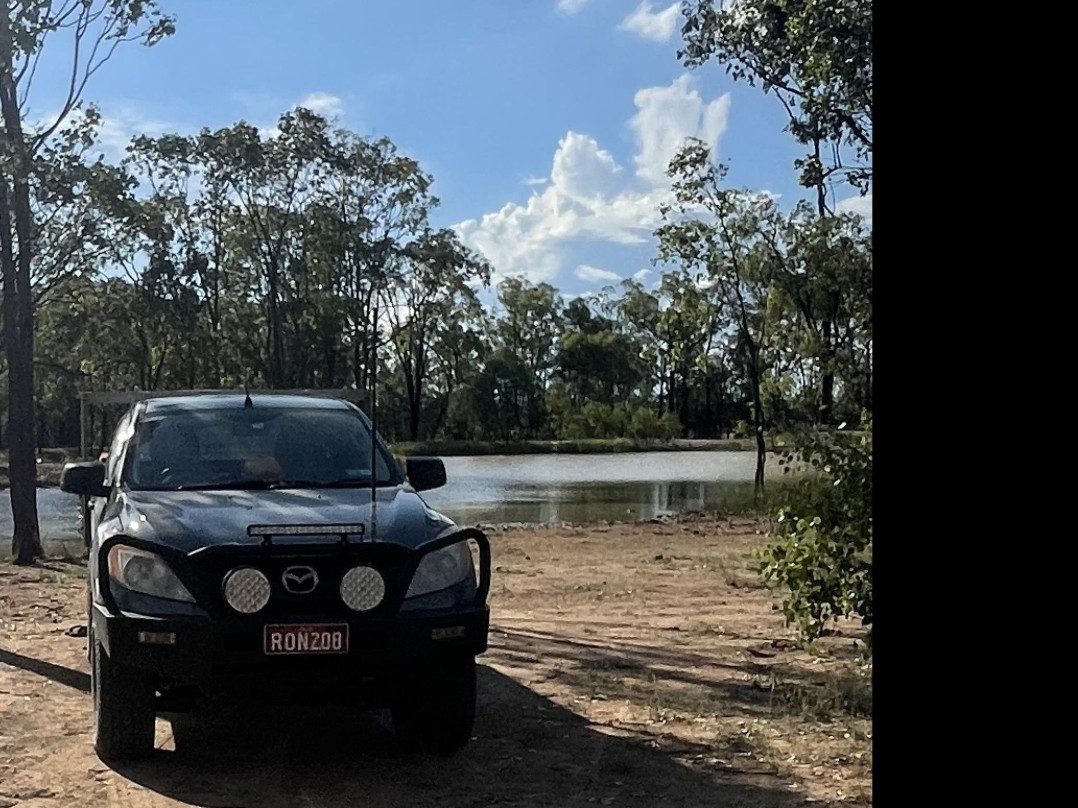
451, 448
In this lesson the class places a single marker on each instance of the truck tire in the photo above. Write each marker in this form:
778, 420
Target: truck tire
433, 707
124, 708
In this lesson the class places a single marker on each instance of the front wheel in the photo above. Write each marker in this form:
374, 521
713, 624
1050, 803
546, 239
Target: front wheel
433, 707
124, 708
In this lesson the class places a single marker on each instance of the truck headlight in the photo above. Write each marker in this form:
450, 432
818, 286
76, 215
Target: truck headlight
145, 572
442, 568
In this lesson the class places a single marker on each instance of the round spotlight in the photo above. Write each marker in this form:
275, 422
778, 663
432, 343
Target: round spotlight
362, 588
247, 590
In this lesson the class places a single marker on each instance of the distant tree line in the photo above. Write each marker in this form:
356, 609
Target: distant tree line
233, 257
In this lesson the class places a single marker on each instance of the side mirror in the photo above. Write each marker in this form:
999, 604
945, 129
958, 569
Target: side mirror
85, 479
425, 473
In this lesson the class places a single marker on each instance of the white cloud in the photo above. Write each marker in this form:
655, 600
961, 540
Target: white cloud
658, 26
324, 104
639, 275
571, 6
530, 180
666, 116
861, 205
590, 196
589, 273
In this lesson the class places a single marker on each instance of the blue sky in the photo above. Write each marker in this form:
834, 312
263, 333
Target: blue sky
546, 123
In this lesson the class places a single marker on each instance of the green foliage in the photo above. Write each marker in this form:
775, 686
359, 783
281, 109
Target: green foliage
229, 257
821, 549
815, 56
645, 424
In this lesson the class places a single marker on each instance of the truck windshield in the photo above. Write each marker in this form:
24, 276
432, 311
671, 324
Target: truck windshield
258, 447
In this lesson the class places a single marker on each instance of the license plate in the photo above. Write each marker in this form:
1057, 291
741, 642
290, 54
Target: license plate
291, 638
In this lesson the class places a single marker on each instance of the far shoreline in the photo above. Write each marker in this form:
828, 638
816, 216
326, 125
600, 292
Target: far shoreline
467, 448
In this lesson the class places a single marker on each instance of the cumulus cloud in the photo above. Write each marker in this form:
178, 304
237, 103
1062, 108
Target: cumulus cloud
590, 196
571, 6
590, 273
861, 205
666, 116
587, 198
658, 26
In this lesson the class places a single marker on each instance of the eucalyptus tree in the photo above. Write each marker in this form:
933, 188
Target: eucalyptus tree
91, 30
600, 366
826, 284
374, 201
676, 325
503, 392
729, 236
438, 278
458, 352
815, 57
528, 327
273, 180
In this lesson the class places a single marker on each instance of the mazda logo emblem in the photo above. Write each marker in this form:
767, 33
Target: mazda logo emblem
300, 580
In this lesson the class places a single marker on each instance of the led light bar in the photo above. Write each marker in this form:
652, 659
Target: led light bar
306, 530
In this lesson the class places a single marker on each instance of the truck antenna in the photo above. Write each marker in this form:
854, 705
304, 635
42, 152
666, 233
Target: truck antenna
372, 374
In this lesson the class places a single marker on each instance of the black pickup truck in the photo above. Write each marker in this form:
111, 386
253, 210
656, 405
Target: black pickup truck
270, 537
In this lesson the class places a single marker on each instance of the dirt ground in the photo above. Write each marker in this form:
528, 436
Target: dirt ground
630, 665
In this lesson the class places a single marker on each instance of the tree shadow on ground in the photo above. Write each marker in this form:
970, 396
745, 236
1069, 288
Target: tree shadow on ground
57, 673
660, 676
527, 751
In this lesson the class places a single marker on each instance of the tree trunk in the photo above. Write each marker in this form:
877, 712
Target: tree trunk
18, 314
761, 445
662, 385
827, 391
709, 421
276, 340
415, 391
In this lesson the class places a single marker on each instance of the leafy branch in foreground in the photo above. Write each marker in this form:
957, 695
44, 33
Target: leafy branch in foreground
815, 56
821, 548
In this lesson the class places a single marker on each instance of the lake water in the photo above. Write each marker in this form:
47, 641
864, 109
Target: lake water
521, 488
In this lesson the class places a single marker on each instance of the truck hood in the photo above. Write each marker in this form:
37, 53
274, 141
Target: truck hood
189, 520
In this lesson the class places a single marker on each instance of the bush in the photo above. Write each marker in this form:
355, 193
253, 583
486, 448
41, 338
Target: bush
822, 541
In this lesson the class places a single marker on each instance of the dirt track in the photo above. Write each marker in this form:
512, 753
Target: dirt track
635, 665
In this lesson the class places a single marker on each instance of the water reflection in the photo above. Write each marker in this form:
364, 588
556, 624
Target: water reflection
589, 502
586, 488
